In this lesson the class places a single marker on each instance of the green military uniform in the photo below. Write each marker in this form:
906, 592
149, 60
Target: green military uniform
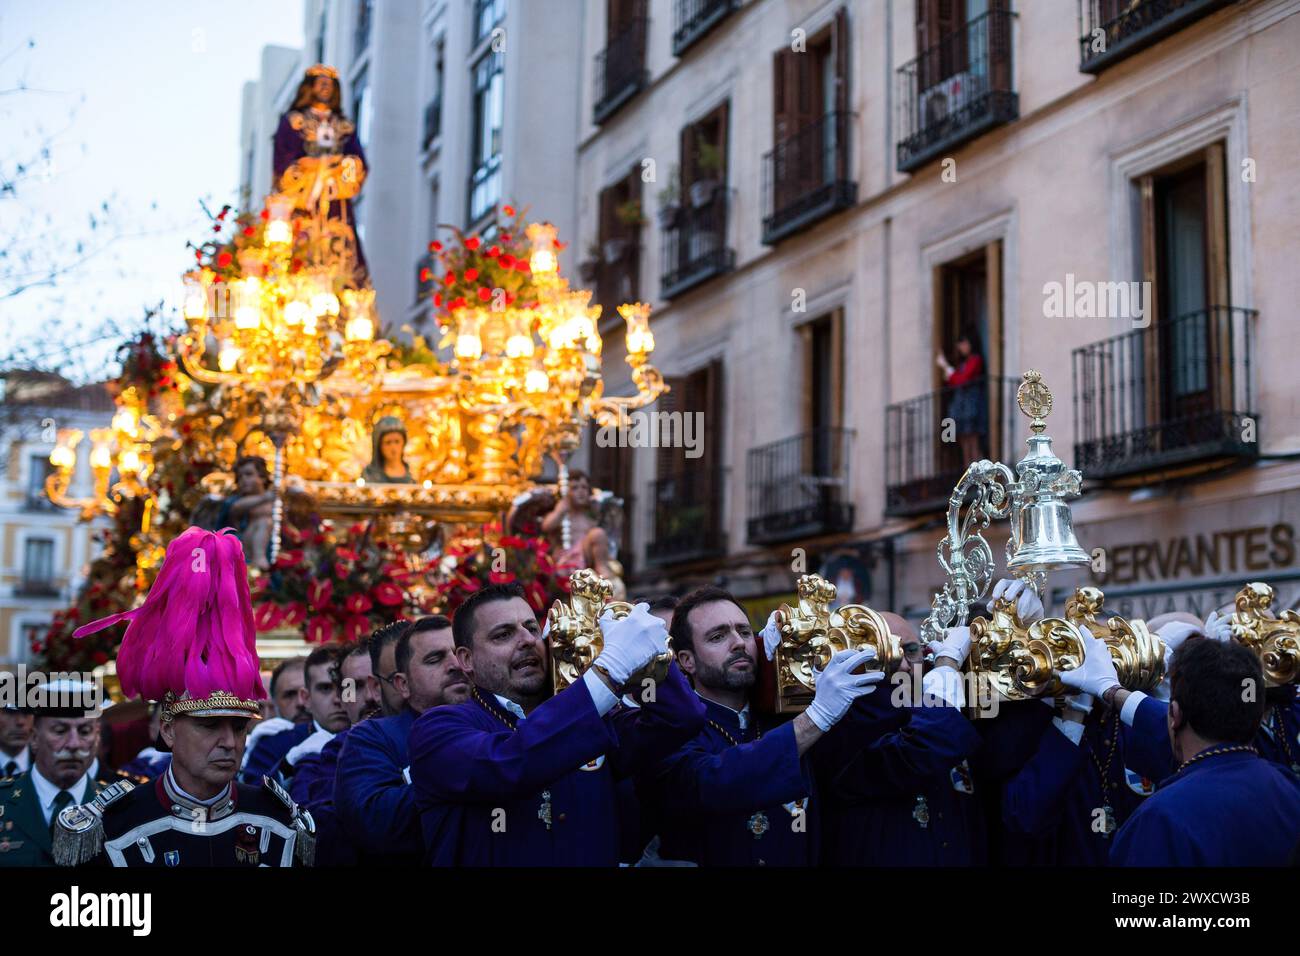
24, 835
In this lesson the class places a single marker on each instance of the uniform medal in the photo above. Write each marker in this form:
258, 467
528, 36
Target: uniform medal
921, 812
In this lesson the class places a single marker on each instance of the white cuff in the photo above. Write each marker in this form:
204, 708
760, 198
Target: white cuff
1129, 711
601, 695
944, 683
1071, 729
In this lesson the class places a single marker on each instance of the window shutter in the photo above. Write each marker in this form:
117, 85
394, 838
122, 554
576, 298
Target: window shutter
841, 40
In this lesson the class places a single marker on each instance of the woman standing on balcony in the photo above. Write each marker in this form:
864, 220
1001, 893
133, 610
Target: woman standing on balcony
966, 403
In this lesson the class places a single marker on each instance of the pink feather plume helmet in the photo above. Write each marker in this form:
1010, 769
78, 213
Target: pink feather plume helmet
192, 643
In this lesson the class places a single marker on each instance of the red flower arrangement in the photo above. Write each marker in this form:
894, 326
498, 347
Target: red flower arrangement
524, 560
471, 273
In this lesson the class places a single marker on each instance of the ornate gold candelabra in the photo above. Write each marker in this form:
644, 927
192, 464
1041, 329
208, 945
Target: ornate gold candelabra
126, 447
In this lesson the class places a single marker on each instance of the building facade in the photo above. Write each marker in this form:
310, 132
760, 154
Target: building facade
44, 550
820, 197
460, 105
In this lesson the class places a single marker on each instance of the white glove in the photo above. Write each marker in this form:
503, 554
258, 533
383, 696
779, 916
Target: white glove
771, 635
1096, 674
955, 644
1028, 606
837, 688
264, 728
1175, 634
631, 643
1080, 702
311, 745
1219, 628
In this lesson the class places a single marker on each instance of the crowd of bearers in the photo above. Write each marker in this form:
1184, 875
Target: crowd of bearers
441, 742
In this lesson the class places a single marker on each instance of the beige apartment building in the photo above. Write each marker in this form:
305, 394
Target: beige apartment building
44, 550
1100, 190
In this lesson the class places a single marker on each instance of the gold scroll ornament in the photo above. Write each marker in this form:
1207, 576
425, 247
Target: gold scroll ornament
811, 633
1139, 655
1015, 661
1275, 639
574, 631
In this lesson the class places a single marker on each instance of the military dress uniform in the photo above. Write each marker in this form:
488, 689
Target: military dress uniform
191, 646
25, 837
155, 824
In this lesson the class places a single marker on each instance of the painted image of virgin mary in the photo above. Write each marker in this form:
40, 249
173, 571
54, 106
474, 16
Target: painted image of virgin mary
388, 454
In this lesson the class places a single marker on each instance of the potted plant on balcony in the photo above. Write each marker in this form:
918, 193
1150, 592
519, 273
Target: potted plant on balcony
670, 200
629, 215
708, 160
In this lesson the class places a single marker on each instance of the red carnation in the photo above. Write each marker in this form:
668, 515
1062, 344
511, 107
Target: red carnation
522, 266
508, 210
224, 259
484, 293
437, 298
266, 214
248, 230
294, 614
494, 252
507, 261
426, 274
346, 554
449, 279
472, 243
471, 275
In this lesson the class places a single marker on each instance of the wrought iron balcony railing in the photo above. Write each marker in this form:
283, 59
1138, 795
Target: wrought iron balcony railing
1176, 394
686, 518
1112, 30
432, 122
38, 587
620, 69
695, 19
923, 441
956, 90
806, 177
799, 487
695, 249
618, 273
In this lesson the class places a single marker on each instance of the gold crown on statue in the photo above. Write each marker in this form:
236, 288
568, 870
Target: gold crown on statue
320, 69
